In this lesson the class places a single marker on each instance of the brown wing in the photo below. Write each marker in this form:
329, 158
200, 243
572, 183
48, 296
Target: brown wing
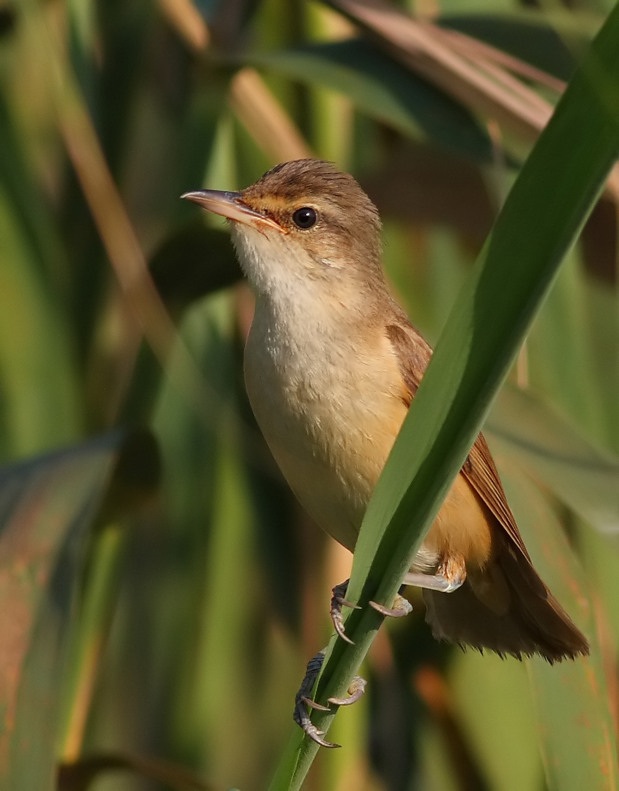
534, 622
481, 472
413, 354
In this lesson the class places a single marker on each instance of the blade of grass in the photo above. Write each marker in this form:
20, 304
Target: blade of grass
130, 492
540, 221
265, 119
118, 236
34, 347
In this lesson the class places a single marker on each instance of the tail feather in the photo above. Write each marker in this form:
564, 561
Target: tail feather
530, 620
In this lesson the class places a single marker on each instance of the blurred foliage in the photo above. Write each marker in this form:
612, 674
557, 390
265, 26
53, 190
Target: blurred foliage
160, 645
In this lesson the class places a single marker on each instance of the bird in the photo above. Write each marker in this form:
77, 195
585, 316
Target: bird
332, 364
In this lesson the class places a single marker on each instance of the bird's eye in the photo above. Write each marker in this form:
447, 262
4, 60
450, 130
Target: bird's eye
304, 218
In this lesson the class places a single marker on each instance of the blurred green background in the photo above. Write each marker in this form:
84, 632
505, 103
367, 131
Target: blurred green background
161, 589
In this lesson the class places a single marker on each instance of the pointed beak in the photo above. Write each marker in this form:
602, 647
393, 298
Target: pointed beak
231, 206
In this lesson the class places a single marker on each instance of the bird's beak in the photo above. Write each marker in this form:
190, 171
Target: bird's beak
231, 206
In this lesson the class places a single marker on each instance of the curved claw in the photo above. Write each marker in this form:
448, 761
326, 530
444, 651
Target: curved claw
313, 705
355, 691
302, 719
316, 735
338, 624
338, 601
401, 607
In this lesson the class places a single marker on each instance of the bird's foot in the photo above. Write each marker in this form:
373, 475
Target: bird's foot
303, 701
401, 607
450, 575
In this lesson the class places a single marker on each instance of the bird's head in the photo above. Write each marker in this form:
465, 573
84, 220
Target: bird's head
303, 221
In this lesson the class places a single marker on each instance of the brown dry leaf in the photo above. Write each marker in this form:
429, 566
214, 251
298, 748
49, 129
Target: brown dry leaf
265, 119
461, 67
188, 23
80, 775
473, 73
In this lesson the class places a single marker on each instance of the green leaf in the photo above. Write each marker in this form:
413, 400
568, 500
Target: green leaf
572, 699
582, 476
181, 271
46, 507
385, 90
34, 333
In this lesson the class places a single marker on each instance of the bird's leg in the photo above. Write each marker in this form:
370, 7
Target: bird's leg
450, 575
303, 701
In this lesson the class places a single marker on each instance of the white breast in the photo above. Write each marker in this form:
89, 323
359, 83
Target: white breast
329, 415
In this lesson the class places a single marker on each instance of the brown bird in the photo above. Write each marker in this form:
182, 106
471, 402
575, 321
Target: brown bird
332, 364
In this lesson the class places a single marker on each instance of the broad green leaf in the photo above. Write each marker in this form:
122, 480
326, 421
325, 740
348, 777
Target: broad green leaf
584, 477
46, 507
35, 346
574, 716
602, 329
29, 211
496, 712
562, 351
382, 88
600, 557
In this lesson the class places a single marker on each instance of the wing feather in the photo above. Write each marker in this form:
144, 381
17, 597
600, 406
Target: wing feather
413, 354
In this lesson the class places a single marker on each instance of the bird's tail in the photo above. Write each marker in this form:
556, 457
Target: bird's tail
508, 609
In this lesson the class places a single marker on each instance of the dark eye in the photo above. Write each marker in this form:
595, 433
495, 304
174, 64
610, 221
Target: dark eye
304, 218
